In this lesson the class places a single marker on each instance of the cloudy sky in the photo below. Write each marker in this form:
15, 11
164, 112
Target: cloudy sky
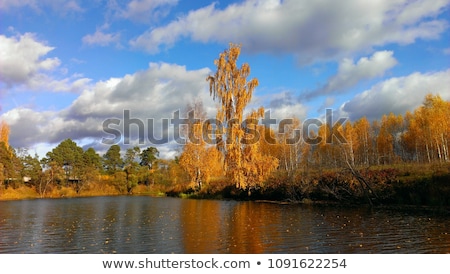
66, 66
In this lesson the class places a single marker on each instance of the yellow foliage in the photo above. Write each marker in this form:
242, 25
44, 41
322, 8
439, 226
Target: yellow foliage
198, 159
244, 163
428, 130
4, 133
2, 170
22, 192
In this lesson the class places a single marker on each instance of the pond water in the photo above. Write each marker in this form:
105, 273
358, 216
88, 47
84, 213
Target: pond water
149, 225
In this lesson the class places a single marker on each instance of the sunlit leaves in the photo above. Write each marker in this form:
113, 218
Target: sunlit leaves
428, 131
4, 133
244, 163
200, 160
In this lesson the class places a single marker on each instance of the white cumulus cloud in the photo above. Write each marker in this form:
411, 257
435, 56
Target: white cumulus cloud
24, 64
313, 30
146, 10
398, 95
350, 73
22, 58
61, 6
101, 38
155, 93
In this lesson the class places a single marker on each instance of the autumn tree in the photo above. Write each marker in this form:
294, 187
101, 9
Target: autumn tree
7, 156
428, 130
352, 144
364, 136
199, 159
388, 139
177, 175
437, 115
290, 145
201, 163
2, 174
10, 167
4, 149
256, 166
327, 154
229, 86
414, 139
4, 133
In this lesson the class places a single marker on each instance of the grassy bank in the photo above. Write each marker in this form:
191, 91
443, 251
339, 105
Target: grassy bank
416, 185
406, 185
94, 189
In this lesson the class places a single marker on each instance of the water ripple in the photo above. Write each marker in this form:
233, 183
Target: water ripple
167, 225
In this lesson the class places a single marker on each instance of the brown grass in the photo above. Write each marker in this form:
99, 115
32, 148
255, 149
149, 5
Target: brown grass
99, 189
151, 190
22, 192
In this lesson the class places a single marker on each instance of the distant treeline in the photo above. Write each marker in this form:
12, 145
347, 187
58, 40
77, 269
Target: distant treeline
396, 160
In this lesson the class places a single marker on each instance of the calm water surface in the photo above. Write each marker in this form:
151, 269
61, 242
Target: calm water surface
137, 224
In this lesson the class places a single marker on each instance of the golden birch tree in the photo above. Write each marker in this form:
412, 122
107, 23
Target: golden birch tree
4, 133
428, 130
352, 144
437, 114
4, 139
230, 87
413, 139
363, 135
256, 166
198, 159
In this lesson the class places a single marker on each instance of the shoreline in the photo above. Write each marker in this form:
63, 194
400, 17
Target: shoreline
440, 210
411, 188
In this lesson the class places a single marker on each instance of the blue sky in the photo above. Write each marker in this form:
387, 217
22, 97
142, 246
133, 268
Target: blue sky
66, 66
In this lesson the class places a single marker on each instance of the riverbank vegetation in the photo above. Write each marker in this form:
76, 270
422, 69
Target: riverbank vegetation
397, 159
